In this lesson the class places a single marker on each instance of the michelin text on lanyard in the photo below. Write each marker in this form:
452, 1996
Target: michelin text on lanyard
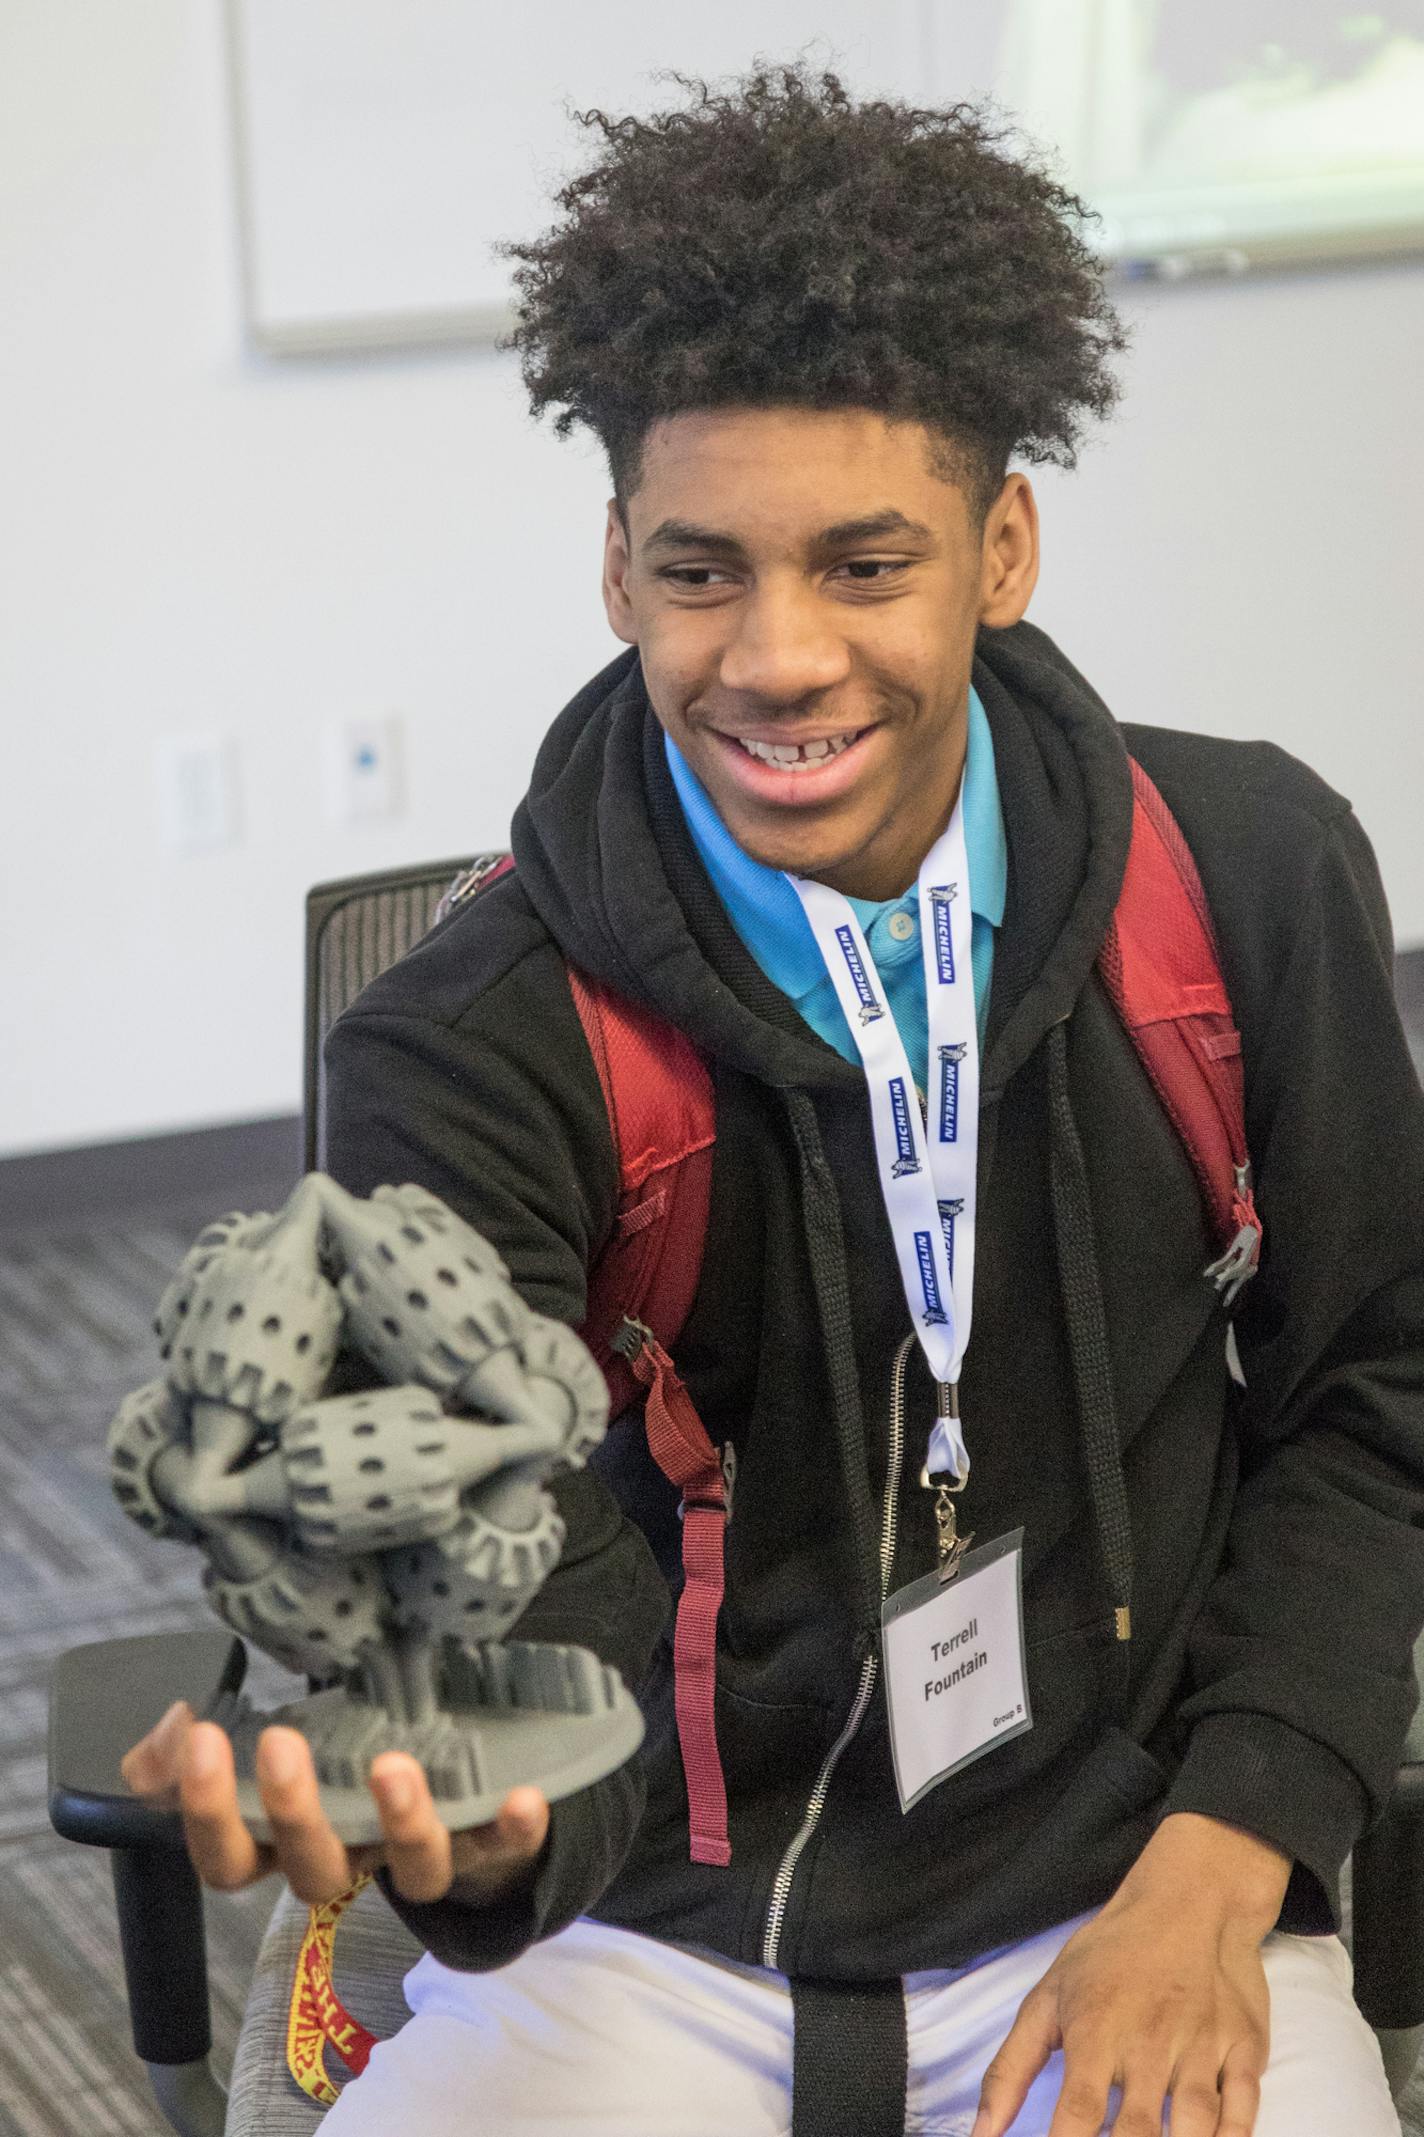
926, 1165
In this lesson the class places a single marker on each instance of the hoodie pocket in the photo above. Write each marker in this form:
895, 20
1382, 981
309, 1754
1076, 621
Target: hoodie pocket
1076, 1754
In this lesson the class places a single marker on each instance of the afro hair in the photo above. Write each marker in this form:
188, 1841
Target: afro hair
782, 246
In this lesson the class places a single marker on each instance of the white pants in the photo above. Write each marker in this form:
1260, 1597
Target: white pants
600, 2033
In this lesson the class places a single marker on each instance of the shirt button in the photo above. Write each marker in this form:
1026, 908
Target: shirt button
901, 925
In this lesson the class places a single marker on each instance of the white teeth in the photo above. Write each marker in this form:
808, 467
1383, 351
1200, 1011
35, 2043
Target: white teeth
792, 756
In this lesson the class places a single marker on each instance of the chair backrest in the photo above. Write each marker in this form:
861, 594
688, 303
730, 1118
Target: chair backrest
356, 927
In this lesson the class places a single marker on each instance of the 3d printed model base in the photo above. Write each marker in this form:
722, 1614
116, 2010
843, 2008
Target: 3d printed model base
381, 1540
472, 1756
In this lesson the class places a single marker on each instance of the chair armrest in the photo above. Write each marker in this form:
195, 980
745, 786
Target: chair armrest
103, 1698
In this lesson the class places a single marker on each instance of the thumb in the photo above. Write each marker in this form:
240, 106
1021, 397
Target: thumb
1029, 2043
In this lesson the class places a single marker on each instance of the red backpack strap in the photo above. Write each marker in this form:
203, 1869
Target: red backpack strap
471, 881
682, 1450
1159, 962
663, 1120
662, 1115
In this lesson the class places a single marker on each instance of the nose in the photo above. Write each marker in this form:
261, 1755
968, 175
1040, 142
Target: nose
784, 651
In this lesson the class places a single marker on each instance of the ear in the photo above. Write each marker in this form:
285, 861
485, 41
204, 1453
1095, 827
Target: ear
1010, 555
616, 563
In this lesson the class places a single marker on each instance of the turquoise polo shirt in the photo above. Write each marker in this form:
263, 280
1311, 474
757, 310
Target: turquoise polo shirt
768, 915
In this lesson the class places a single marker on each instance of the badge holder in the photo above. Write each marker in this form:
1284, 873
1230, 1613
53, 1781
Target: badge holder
956, 1680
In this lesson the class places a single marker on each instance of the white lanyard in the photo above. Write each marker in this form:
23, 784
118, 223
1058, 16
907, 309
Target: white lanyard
929, 1188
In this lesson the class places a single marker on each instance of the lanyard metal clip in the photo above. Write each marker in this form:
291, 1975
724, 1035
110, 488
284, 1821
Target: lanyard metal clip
951, 1545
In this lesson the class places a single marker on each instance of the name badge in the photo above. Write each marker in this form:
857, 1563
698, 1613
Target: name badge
955, 1680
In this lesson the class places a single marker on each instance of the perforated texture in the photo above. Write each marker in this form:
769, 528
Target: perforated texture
316, 1617
471, 1584
149, 1422
368, 1472
428, 1300
259, 1332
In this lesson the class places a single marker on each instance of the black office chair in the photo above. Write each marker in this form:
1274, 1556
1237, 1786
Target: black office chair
107, 1694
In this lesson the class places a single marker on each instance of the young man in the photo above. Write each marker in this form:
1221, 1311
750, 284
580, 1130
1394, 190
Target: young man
811, 335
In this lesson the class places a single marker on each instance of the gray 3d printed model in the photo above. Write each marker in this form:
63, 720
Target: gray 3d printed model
383, 1541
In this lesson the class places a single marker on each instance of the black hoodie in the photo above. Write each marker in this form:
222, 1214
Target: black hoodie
1267, 1537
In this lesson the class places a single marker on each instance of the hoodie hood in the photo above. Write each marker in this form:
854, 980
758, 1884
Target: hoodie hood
605, 857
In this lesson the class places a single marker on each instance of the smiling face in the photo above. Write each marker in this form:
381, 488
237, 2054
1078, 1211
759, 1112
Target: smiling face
804, 592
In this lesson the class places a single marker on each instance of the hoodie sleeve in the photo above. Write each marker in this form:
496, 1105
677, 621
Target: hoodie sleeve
1301, 1658
498, 1110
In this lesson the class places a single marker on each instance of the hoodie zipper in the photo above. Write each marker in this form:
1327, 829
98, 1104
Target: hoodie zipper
869, 1668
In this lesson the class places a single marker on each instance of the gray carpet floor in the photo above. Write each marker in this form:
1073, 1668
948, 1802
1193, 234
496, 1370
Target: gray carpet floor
75, 1336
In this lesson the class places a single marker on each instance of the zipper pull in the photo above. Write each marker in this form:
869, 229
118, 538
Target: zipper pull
1242, 1258
729, 1474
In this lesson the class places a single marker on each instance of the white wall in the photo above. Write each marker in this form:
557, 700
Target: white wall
194, 539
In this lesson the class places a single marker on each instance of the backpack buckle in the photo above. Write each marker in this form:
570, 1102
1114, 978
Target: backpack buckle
721, 1506
629, 1337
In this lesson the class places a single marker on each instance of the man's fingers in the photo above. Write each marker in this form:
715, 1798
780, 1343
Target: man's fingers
224, 1853
1240, 2091
1144, 2094
309, 1852
522, 1824
1083, 2102
151, 1768
1196, 2090
425, 1858
1196, 2103
1027, 2046
418, 1849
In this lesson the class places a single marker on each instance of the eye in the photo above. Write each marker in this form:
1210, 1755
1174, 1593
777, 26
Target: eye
684, 574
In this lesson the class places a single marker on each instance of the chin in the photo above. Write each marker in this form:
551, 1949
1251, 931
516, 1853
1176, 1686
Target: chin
793, 857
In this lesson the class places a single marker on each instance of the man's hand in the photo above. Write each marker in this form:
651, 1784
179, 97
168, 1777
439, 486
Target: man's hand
1163, 1993
188, 1764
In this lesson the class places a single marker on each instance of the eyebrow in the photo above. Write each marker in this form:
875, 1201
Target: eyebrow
682, 534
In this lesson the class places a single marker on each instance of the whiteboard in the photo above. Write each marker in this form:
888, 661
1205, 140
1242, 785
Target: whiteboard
383, 145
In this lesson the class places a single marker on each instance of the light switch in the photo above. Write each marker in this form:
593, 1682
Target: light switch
197, 791
363, 769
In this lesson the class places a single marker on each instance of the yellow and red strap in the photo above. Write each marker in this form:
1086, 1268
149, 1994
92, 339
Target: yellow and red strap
316, 2017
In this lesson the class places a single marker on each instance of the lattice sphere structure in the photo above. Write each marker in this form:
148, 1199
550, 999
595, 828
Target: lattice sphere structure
381, 1540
